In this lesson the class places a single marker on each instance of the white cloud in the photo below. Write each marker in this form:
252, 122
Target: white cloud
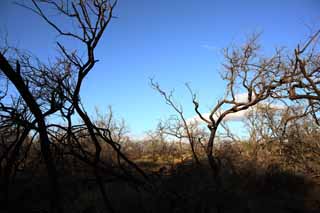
237, 116
209, 47
138, 136
242, 97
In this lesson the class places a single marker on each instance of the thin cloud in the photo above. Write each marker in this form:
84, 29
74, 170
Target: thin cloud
209, 47
237, 116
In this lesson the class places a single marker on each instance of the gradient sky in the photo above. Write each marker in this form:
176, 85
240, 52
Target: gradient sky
172, 41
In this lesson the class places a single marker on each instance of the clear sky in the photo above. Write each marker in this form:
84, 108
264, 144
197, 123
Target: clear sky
173, 41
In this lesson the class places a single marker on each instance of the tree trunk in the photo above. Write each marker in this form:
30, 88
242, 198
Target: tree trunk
15, 77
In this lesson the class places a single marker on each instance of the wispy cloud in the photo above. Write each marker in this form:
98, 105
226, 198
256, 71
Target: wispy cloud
209, 47
242, 97
138, 136
237, 116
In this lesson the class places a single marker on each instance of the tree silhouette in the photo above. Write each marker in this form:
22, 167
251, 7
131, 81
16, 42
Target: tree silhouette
55, 88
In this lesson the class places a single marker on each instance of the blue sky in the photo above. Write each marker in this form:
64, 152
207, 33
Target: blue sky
173, 41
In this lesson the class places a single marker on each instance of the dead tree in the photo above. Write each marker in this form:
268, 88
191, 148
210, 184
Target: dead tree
302, 75
250, 79
12, 140
55, 88
15, 75
182, 129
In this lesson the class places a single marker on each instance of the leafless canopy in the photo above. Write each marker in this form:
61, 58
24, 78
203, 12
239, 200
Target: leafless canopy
54, 88
301, 74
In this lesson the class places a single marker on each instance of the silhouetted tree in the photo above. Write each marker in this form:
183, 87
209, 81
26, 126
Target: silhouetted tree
55, 88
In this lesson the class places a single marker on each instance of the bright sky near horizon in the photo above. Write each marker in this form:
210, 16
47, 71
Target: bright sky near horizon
172, 41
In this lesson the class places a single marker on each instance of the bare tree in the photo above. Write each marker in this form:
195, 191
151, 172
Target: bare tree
15, 75
118, 131
269, 124
301, 75
55, 88
247, 73
181, 129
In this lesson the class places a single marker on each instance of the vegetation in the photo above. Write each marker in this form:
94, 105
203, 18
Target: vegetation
59, 165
